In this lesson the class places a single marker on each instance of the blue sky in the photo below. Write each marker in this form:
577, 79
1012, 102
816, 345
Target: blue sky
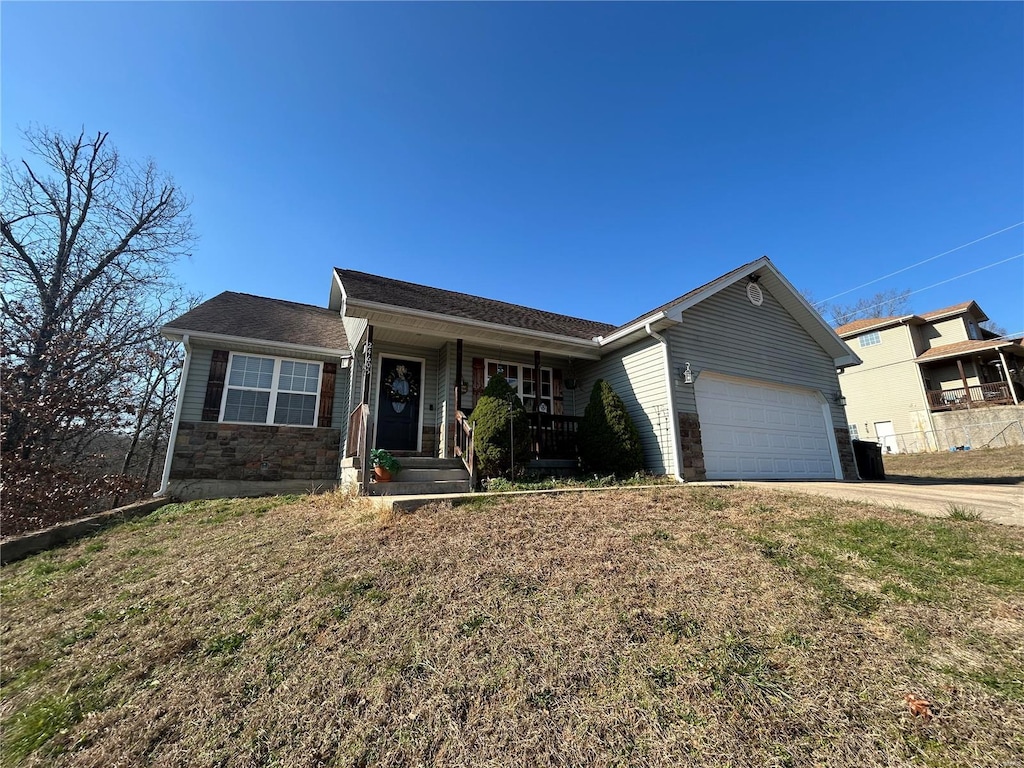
591, 159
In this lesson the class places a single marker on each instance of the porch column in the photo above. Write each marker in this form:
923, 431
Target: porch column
367, 363
458, 374
536, 381
536, 403
963, 380
1006, 377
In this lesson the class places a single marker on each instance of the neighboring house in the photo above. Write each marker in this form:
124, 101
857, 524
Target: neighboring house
918, 367
735, 379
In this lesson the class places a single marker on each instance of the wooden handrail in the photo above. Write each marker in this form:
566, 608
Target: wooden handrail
357, 440
464, 447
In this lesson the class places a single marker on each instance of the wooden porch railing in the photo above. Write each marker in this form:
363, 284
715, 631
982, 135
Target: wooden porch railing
979, 395
553, 436
464, 447
357, 441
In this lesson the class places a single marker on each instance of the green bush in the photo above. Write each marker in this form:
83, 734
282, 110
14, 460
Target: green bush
494, 423
608, 440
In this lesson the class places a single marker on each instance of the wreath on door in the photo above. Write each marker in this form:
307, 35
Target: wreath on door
401, 386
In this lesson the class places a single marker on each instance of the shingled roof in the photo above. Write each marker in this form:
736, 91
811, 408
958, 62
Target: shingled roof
867, 322
273, 320
361, 286
966, 347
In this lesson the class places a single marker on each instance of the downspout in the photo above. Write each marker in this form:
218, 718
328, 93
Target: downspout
165, 480
672, 418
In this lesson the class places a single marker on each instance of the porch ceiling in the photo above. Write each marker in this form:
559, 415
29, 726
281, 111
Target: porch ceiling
433, 332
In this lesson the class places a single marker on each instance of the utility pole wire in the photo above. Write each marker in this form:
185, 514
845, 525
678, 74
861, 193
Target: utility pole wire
918, 264
934, 285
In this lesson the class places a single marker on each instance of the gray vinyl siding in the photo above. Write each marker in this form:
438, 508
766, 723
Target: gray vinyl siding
199, 373
637, 374
727, 334
195, 388
339, 415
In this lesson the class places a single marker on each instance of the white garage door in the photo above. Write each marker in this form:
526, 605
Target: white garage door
752, 430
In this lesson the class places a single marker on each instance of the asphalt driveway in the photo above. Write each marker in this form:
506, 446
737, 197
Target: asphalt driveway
998, 503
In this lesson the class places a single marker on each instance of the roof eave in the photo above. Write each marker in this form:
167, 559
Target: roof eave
375, 306
177, 334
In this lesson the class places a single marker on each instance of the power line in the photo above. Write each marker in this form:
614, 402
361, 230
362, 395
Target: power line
927, 287
918, 264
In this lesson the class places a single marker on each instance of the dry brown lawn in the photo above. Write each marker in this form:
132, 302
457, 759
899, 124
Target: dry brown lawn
665, 627
993, 465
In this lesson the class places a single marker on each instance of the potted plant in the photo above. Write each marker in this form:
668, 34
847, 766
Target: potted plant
384, 465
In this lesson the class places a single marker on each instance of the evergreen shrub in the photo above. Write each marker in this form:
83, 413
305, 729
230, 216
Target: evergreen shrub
496, 426
608, 439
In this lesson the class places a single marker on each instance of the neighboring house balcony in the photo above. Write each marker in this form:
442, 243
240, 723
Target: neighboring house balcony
978, 396
973, 374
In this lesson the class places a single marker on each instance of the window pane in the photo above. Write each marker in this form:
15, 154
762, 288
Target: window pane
252, 372
295, 409
247, 405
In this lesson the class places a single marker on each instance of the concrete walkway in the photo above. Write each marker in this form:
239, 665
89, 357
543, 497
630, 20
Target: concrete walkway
997, 503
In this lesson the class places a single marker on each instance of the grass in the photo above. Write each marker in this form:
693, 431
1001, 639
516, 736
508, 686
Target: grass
654, 627
1005, 465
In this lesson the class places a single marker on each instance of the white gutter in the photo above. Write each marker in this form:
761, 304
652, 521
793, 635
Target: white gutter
162, 490
174, 333
673, 419
643, 324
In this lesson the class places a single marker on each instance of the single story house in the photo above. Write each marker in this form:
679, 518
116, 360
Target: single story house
736, 379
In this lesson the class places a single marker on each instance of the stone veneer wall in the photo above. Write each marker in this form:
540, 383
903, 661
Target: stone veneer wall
207, 450
691, 447
846, 458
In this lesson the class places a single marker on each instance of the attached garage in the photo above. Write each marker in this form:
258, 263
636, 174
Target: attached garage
755, 430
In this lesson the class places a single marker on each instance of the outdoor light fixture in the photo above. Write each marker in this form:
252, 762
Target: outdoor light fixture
839, 399
686, 374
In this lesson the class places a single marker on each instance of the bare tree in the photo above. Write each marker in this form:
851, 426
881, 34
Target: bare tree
86, 243
883, 304
993, 327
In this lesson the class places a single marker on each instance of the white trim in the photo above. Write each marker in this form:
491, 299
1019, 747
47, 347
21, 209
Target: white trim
522, 379
677, 458
376, 413
509, 329
174, 333
639, 325
176, 420
272, 404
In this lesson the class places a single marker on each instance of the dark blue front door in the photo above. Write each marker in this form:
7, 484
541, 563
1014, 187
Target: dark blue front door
398, 404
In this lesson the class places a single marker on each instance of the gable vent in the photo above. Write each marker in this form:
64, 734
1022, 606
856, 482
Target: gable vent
754, 294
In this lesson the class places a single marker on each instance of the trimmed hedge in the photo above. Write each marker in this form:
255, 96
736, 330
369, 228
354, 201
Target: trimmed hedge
496, 425
608, 439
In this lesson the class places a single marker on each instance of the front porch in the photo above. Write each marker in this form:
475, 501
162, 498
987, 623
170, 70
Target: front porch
977, 396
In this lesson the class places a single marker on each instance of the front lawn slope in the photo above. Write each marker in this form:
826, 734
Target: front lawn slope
664, 627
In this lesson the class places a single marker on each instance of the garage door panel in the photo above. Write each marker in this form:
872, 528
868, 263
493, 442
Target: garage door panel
750, 429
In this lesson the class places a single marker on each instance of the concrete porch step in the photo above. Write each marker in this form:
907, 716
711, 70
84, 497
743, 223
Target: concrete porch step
429, 474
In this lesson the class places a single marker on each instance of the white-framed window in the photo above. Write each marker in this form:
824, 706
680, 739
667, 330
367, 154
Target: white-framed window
854, 434
870, 339
521, 378
271, 390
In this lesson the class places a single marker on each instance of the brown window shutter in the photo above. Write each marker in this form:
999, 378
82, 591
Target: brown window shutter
327, 395
478, 379
556, 390
215, 385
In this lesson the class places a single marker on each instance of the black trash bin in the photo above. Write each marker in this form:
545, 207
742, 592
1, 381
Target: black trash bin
868, 456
